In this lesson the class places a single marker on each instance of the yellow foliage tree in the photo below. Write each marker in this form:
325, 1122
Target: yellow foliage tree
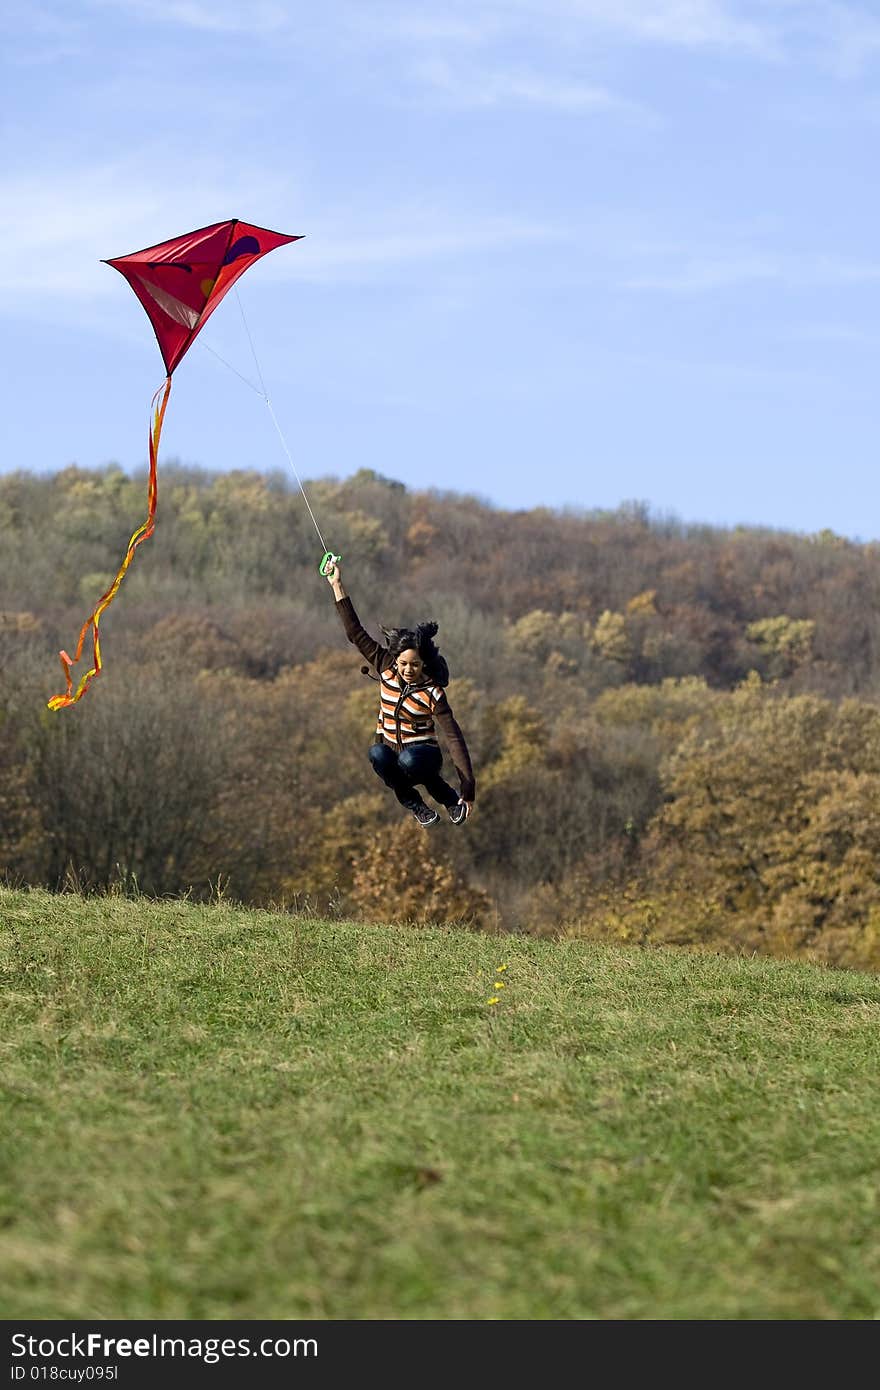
559, 640
323, 872
786, 642
668, 710
610, 637
644, 604
401, 876
776, 815
514, 738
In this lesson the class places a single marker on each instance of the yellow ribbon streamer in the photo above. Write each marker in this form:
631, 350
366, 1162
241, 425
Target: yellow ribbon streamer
141, 534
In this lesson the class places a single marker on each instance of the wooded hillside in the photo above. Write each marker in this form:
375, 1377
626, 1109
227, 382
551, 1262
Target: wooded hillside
675, 728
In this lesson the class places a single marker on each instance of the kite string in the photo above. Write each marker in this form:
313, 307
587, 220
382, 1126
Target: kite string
240, 375
251, 341
284, 444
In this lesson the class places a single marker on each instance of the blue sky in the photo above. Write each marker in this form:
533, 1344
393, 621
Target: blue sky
556, 251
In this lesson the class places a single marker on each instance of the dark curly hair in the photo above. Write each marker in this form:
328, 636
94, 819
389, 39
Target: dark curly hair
420, 639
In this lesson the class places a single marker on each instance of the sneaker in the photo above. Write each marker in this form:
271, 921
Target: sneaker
458, 813
424, 815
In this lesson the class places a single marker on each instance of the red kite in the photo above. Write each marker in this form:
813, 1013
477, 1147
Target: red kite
180, 283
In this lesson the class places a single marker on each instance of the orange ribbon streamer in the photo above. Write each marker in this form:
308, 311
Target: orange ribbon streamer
143, 533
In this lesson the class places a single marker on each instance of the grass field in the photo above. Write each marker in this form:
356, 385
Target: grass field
209, 1112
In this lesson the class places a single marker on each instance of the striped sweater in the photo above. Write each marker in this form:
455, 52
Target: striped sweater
407, 713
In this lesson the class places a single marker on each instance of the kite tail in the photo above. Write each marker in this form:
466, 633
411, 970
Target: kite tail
143, 533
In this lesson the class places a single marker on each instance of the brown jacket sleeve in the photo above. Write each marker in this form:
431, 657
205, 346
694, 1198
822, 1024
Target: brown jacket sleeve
457, 748
376, 655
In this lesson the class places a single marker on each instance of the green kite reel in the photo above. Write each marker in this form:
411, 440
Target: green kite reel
328, 559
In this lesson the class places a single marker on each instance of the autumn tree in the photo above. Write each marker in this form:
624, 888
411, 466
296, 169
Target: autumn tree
401, 876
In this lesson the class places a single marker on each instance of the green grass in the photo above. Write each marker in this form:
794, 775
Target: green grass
209, 1112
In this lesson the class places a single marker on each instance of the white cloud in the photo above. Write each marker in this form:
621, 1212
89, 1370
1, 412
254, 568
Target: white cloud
850, 38
683, 23
484, 88
691, 275
426, 26
692, 23
689, 23
396, 239
219, 16
842, 36
840, 334
694, 274
63, 225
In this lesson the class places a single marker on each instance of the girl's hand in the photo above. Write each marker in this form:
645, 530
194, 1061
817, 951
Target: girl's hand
334, 579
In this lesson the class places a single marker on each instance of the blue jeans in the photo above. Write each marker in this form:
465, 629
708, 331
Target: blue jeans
418, 764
